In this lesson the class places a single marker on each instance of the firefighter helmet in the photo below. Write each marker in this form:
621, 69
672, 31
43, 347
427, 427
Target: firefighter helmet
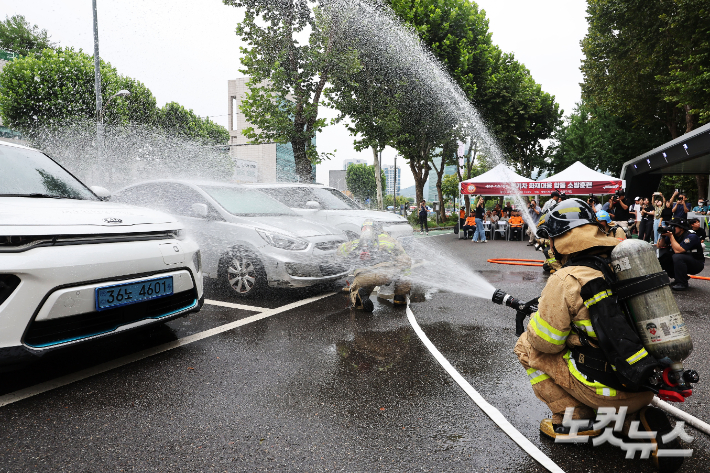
564, 216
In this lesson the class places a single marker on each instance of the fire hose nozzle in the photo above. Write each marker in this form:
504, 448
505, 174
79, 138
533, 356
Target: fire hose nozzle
502, 298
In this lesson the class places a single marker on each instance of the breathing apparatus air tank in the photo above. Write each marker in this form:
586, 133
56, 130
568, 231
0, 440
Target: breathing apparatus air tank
655, 312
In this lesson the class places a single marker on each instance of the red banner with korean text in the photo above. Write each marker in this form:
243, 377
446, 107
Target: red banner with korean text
541, 188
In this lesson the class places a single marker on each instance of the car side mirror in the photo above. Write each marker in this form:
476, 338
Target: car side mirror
101, 192
200, 210
313, 205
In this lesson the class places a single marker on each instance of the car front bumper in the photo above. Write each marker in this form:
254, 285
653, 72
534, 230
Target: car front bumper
56, 293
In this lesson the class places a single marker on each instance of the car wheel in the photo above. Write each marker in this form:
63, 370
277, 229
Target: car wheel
242, 273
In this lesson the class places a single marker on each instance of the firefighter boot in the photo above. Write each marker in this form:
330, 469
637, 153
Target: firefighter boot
655, 420
554, 431
399, 300
363, 302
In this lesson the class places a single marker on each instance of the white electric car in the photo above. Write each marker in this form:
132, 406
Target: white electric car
329, 206
74, 268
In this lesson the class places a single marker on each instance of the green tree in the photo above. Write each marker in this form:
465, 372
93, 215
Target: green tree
175, 118
456, 32
360, 179
388, 200
601, 140
450, 186
56, 87
648, 59
365, 106
286, 78
519, 113
19, 36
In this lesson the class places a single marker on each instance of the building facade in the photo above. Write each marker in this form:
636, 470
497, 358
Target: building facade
273, 162
349, 162
389, 173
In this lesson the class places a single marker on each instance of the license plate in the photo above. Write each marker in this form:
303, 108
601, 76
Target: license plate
108, 297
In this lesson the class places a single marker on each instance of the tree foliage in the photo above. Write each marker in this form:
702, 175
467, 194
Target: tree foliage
360, 179
286, 77
601, 140
450, 186
19, 36
518, 112
56, 87
649, 59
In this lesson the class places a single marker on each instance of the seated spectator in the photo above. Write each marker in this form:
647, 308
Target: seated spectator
702, 207
494, 217
695, 226
516, 226
469, 226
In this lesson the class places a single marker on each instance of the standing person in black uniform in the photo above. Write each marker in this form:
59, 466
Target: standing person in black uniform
681, 253
648, 213
423, 215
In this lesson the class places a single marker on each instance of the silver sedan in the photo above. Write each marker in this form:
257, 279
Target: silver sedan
248, 240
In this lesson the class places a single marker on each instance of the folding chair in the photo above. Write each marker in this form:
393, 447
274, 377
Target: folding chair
502, 228
487, 230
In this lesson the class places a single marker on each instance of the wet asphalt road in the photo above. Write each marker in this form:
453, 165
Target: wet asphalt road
315, 388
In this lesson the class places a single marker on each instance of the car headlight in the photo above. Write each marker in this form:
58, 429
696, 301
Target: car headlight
282, 241
178, 234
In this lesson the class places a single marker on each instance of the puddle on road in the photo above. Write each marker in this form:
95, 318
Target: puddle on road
513, 276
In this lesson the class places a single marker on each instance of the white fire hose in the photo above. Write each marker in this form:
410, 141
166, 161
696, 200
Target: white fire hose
684, 416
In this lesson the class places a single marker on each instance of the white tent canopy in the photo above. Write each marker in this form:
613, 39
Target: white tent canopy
500, 173
498, 181
579, 179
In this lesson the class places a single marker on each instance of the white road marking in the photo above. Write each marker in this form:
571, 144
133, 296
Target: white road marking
148, 352
236, 306
487, 408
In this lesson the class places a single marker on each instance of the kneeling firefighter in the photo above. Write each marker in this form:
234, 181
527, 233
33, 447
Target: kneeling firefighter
582, 349
380, 260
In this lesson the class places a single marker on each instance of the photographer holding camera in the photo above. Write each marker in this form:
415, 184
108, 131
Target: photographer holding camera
593, 203
535, 212
619, 209
681, 252
681, 207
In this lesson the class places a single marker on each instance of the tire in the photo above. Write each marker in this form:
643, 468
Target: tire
242, 274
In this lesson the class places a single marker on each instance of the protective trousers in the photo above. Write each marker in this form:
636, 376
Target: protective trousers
554, 384
680, 265
381, 274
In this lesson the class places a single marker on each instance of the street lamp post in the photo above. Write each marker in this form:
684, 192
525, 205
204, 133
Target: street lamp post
97, 90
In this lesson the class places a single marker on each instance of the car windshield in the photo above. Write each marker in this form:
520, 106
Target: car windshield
29, 173
298, 196
246, 202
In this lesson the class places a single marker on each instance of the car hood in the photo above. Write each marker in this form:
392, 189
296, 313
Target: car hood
70, 216
372, 215
297, 226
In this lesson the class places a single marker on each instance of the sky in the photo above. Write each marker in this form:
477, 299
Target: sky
186, 51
